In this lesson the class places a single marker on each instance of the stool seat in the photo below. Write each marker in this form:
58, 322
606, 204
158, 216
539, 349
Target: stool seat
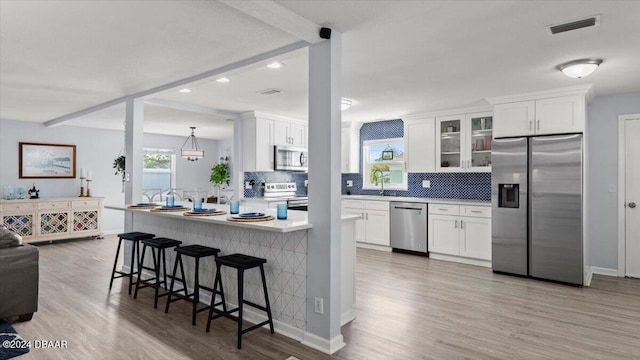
240, 261
197, 251
135, 236
161, 243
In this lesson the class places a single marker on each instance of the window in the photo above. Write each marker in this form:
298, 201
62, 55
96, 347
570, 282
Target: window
158, 173
384, 159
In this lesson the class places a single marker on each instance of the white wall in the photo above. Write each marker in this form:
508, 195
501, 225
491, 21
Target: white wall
603, 170
95, 150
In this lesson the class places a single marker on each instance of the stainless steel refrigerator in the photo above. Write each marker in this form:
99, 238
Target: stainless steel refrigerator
536, 198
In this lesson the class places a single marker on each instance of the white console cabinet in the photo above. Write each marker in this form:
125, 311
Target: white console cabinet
52, 218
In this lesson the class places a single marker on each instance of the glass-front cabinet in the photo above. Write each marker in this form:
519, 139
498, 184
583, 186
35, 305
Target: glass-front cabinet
463, 142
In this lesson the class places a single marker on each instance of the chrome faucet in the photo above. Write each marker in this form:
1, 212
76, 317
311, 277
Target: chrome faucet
381, 191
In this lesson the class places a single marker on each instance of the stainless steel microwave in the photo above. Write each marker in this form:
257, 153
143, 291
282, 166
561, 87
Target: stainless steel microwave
290, 158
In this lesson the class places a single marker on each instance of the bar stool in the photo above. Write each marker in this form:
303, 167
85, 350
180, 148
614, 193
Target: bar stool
135, 238
241, 263
197, 252
161, 244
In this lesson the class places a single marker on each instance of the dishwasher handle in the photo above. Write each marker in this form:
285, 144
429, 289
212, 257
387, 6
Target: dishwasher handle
406, 208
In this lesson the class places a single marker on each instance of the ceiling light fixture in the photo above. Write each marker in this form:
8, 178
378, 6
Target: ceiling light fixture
184, 91
194, 152
580, 68
345, 104
223, 80
275, 65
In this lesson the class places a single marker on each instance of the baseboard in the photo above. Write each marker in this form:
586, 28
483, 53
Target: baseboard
460, 259
347, 317
604, 271
321, 344
373, 246
112, 232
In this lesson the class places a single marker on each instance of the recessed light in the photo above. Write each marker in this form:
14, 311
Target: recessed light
275, 65
345, 103
184, 91
580, 68
223, 80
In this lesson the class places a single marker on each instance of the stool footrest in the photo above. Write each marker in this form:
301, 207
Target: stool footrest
260, 307
244, 331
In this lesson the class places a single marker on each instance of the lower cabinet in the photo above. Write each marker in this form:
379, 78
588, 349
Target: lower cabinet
460, 230
373, 228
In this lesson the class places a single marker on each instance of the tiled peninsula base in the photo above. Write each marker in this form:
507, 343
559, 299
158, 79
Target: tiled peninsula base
285, 270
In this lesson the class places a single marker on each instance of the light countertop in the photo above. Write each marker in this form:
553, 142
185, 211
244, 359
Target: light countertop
418, 200
296, 220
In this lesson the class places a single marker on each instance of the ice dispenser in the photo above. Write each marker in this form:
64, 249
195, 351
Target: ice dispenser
508, 195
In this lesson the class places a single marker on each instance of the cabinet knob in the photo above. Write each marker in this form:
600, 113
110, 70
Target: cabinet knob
632, 205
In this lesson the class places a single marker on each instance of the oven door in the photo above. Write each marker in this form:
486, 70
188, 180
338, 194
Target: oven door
290, 158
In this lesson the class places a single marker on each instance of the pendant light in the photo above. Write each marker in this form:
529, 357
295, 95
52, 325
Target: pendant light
193, 153
580, 68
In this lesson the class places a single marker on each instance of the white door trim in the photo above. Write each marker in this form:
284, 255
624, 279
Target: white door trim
621, 193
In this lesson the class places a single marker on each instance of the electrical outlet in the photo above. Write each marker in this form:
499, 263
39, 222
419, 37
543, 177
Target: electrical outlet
319, 308
426, 183
306, 183
349, 183
247, 185
612, 188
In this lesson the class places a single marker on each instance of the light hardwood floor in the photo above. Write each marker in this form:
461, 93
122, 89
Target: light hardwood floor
408, 307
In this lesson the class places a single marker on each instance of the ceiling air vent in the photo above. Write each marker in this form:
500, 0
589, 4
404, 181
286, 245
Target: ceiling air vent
575, 25
270, 92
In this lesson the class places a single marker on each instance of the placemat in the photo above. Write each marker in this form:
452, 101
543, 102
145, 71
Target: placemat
238, 219
189, 213
169, 210
142, 206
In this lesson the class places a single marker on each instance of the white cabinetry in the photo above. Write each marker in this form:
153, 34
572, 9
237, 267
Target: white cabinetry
419, 136
460, 233
289, 133
553, 112
260, 132
350, 147
373, 228
463, 142
52, 218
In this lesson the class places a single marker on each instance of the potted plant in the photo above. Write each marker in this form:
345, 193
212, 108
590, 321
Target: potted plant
220, 176
118, 164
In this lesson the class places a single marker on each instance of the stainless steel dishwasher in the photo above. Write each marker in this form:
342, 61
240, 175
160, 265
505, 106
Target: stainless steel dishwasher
408, 228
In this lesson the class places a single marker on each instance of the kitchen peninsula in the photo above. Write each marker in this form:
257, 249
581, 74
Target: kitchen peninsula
283, 243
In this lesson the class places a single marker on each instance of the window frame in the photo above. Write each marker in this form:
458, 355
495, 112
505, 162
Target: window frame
366, 185
172, 170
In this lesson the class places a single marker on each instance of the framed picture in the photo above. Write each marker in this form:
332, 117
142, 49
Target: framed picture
47, 161
387, 155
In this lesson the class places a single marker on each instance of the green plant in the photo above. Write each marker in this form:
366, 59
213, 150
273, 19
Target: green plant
118, 164
220, 173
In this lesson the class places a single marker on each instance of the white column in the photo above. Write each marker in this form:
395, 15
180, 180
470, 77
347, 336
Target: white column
238, 157
323, 249
133, 153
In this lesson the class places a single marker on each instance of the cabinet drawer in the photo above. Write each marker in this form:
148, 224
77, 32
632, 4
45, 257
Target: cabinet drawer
357, 204
53, 205
378, 205
476, 211
17, 207
444, 209
85, 203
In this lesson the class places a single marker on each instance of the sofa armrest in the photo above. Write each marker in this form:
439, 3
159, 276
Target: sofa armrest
19, 276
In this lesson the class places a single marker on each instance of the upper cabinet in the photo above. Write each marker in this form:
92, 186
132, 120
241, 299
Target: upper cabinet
419, 136
290, 133
543, 113
261, 132
463, 142
350, 147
